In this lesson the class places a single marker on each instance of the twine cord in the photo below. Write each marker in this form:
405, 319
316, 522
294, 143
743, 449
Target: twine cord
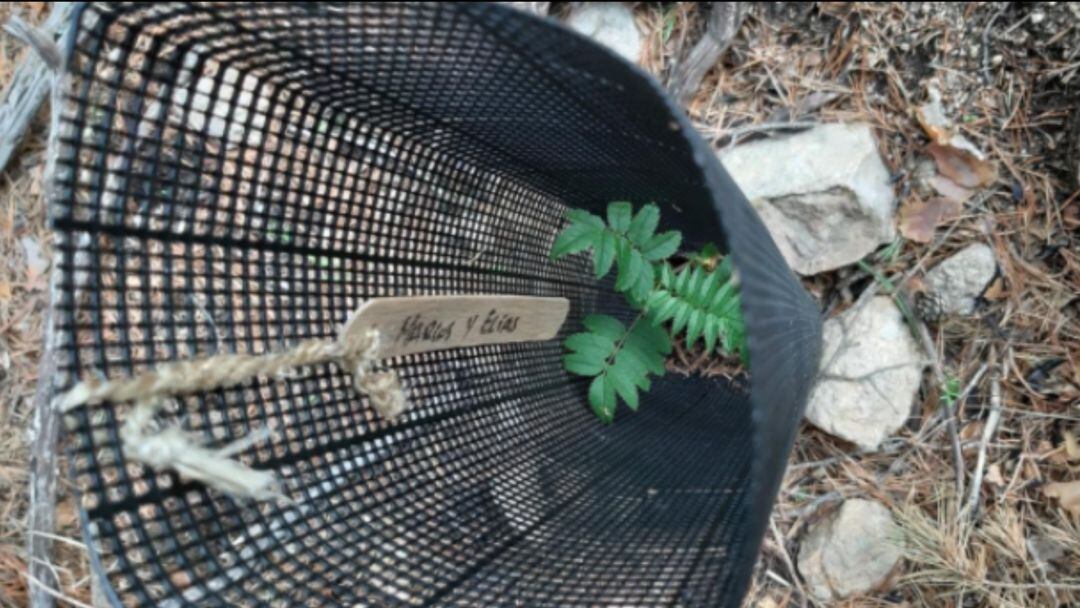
172, 448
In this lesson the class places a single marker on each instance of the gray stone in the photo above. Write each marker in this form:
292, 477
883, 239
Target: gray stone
35, 260
871, 371
960, 279
851, 552
824, 194
609, 23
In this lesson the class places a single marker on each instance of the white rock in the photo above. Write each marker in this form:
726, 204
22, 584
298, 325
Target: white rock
35, 260
851, 552
225, 119
824, 194
609, 23
200, 108
961, 278
871, 369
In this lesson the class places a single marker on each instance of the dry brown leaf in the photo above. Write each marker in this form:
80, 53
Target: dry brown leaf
1058, 457
1030, 471
939, 128
949, 189
962, 166
1071, 215
1067, 493
956, 158
7, 222
931, 116
38, 174
993, 475
971, 430
5, 291
66, 515
1072, 447
918, 218
997, 290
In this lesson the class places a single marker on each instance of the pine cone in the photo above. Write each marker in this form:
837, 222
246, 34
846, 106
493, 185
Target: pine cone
929, 306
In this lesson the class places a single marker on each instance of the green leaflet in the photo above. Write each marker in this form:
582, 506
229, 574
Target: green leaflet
631, 265
584, 232
592, 346
724, 270
624, 378
644, 225
618, 216
704, 304
604, 254
605, 325
602, 398
575, 239
582, 364
626, 241
651, 344
662, 246
620, 358
643, 287
578, 216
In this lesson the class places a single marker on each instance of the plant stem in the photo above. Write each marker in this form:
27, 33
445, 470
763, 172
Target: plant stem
619, 344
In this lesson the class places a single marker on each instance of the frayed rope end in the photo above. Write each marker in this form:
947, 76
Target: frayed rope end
174, 449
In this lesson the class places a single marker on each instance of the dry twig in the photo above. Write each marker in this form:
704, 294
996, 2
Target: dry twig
986, 75
724, 22
987, 434
950, 417
32, 80
781, 548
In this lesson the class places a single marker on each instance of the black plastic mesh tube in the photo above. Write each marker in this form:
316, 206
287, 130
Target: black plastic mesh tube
236, 178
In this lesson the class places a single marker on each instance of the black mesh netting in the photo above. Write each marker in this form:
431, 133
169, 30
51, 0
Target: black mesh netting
238, 178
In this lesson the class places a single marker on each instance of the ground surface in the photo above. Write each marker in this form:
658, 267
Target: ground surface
1009, 75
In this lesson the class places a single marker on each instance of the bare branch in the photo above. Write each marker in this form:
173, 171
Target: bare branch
724, 22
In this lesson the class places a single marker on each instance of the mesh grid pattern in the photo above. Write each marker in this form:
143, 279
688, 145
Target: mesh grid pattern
236, 178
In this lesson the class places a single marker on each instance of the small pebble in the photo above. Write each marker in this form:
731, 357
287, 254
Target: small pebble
1037, 17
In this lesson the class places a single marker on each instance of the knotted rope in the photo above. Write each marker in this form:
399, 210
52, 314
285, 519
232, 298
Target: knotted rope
174, 449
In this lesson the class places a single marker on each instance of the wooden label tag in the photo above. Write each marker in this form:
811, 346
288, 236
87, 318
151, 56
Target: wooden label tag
422, 324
